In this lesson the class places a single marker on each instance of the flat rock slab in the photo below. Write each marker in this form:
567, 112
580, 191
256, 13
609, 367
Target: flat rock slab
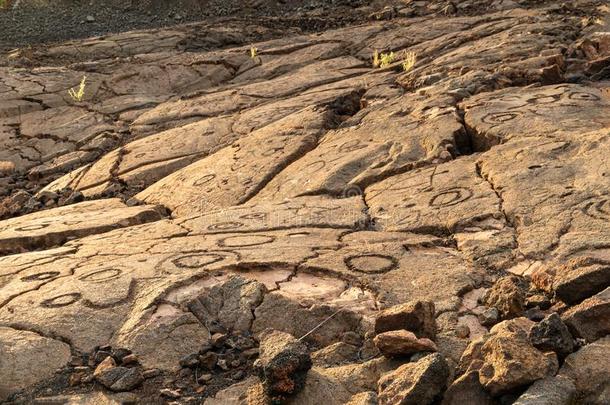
53, 227
19, 350
497, 117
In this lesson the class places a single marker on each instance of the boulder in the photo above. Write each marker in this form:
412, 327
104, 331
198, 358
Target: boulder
282, 364
509, 360
551, 334
589, 370
415, 316
402, 342
549, 391
417, 383
335, 354
590, 319
508, 296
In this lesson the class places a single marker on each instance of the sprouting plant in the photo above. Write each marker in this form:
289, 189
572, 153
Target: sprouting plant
376, 60
253, 52
77, 95
387, 59
409, 61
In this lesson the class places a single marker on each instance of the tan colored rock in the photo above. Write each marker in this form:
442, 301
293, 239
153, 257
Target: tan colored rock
53, 227
507, 295
364, 398
401, 343
590, 375
415, 316
415, 383
27, 358
590, 319
467, 390
510, 361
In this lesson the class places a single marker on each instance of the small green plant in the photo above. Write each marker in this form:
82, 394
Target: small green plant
387, 59
3, 3
383, 60
77, 95
253, 52
409, 61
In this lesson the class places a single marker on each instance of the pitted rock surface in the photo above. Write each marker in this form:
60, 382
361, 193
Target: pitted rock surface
228, 180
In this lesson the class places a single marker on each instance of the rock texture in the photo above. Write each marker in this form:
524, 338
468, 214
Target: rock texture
430, 225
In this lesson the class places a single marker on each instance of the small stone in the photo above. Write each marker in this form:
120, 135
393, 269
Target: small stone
238, 375
101, 355
222, 363
130, 379
107, 364
206, 347
130, 359
151, 373
168, 393
414, 316
402, 342
208, 361
218, 340
250, 353
204, 378
462, 331
90, 18
552, 335
190, 360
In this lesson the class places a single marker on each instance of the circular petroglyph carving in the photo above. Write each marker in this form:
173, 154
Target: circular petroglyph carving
101, 275
223, 226
450, 197
583, 96
246, 240
197, 260
598, 209
61, 300
315, 166
544, 99
260, 216
352, 191
34, 227
352, 145
204, 179
45, 275
499, 117
371, 263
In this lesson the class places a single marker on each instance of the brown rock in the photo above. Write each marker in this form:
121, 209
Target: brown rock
510, 361
589, 371
467, 390
590, 319
415, 383
414, 316
364, 398
402, 342
283, 364
508, 296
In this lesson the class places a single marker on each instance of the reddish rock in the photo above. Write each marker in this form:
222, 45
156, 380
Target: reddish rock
402, 342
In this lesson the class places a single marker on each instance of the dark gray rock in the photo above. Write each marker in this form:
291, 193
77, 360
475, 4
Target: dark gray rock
551, 334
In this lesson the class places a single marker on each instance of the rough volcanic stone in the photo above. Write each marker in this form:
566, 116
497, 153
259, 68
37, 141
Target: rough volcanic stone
415, 383
552, 334
282, 364
590, 319
467, 390
416, 316
508, 296
510, 361
402, 343
549, 391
